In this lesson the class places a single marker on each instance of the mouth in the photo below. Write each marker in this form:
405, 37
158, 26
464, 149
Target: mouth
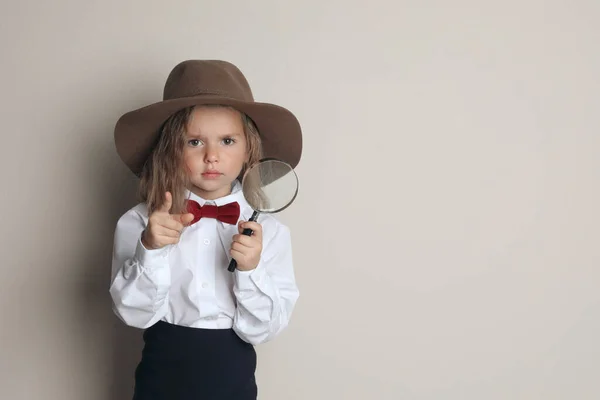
211, 174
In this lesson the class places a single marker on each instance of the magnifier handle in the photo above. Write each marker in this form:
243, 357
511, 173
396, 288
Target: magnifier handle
247, 232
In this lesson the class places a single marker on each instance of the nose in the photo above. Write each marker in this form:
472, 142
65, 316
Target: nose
212, 154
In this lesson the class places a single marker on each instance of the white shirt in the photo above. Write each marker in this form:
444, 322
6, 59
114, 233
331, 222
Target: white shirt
188, 283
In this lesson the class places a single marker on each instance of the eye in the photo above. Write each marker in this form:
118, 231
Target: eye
194, 142
228, 141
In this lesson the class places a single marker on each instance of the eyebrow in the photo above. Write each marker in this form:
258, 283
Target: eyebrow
200, 136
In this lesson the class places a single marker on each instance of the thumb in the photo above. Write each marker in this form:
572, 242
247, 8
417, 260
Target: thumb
167, 203
186, 218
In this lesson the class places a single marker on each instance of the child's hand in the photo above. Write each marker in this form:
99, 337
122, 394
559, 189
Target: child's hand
246, 250
163, 227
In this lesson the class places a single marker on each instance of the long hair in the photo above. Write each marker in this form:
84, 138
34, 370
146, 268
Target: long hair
165, 171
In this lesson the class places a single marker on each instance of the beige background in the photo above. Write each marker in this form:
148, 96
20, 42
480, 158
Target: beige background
446, 233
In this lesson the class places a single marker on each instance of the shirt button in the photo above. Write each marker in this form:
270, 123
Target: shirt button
204, 285
206, 241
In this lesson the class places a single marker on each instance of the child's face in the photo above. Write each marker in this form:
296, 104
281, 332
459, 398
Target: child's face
215, 150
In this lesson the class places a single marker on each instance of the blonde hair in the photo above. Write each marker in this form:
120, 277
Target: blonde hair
165, 171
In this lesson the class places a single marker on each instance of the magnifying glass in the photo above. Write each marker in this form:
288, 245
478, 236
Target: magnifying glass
269, 186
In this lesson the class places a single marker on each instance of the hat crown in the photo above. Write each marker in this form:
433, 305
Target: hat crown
207, 77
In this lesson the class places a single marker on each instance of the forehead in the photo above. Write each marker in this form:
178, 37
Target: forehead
215, 120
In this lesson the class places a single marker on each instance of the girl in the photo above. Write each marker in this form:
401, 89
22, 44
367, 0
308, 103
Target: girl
171, 252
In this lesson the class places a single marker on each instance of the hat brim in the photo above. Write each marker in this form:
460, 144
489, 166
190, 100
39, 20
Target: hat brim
136, 132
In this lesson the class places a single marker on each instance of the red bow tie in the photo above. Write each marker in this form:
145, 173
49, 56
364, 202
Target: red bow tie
228, 213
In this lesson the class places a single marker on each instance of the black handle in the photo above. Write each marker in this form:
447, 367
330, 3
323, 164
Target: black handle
247, 232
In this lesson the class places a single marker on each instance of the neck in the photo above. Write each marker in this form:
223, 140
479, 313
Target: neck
211, 195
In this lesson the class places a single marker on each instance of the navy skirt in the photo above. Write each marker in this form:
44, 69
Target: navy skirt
195, 364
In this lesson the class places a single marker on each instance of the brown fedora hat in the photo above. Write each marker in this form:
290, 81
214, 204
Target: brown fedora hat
198, 82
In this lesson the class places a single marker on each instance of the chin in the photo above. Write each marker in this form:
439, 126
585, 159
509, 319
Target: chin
213, 186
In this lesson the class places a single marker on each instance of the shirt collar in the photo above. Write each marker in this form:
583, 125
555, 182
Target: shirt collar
235, 195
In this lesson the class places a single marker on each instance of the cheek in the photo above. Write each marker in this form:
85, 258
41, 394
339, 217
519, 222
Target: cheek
190, 163
241, 154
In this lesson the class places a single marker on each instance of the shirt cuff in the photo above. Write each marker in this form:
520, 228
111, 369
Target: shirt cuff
249, 280
151, 258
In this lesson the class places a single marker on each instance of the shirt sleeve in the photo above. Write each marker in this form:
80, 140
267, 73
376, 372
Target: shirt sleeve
141, 278
266, 296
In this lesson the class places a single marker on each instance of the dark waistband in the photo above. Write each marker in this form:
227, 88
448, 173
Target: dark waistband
167, 340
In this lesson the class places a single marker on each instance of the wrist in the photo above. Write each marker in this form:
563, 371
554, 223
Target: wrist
145, 242
245, 269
